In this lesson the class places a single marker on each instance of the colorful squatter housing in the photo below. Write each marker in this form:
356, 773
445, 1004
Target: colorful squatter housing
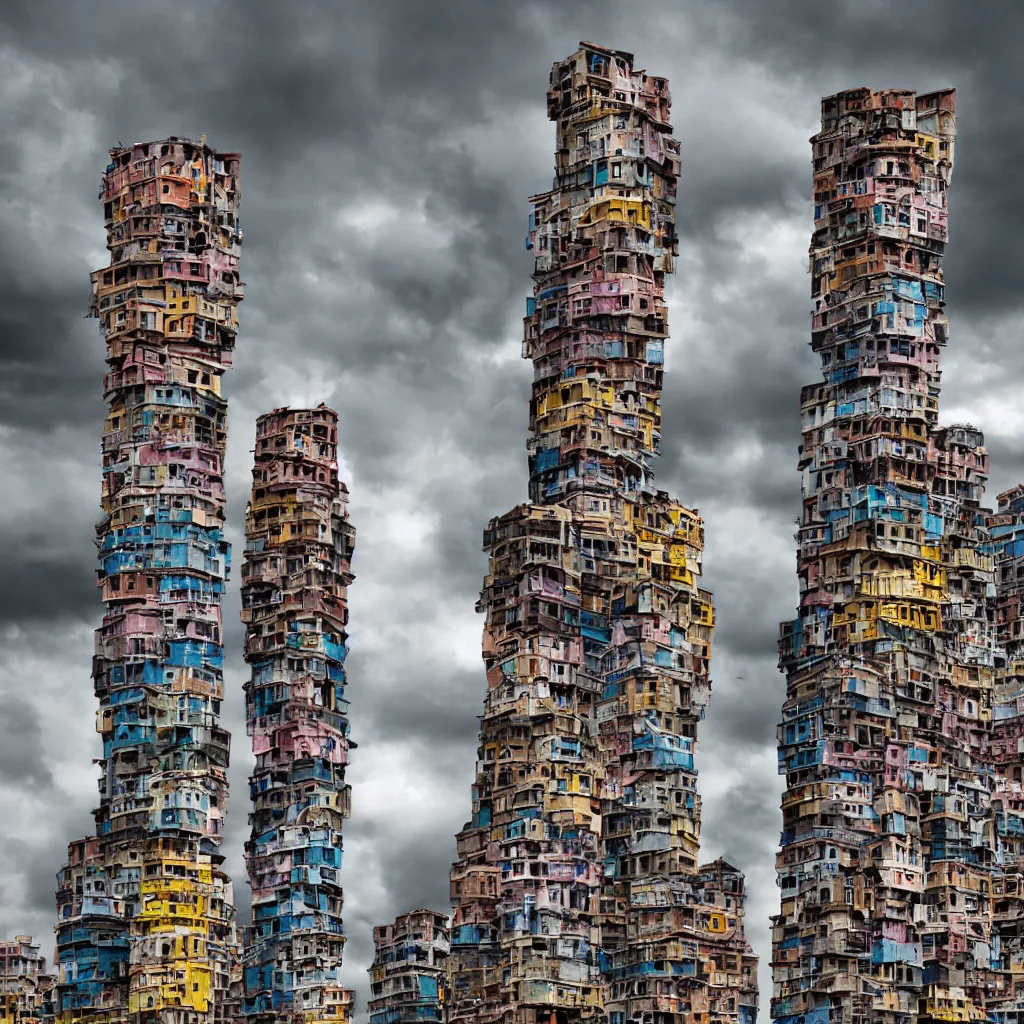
25, 984
295, 606
409, 976
578, 892
1004, 832
900, 861
145, 928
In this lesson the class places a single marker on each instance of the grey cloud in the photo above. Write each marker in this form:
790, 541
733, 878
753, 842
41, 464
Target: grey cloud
750, 820
434, 711
22, 752
36, 892
40, 585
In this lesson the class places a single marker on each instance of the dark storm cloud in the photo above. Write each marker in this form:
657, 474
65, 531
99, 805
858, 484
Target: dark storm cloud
388, 150
927, 46
414, 700
50, 503
40, 585
23, 745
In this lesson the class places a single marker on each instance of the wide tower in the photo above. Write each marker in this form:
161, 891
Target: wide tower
295, 577
145, 928
578, 892
895, 853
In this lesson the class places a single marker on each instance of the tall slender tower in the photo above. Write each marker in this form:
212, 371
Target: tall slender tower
295, 606
898, 868
1004, 988
146, 924
577, 891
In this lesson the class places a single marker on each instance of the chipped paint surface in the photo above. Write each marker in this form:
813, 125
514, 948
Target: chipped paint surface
578, 891
145, 917
295, 608
902, 729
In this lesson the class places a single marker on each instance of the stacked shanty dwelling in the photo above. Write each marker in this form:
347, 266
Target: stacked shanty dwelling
409, 975
146, 928
25, 983
295, 606
578, 891
899, 868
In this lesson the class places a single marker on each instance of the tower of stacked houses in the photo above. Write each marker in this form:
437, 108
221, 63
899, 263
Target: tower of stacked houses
901, 732
409, 974
145, 928
294, 603
578, 892
25, 984
1004, 831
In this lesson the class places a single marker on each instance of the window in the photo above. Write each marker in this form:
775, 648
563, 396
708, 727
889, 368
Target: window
616, 170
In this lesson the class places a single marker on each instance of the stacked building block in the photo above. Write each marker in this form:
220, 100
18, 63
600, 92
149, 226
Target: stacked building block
146, 923
578, 892
1004, 981
25, 985
409, 977
901, 888
294, 604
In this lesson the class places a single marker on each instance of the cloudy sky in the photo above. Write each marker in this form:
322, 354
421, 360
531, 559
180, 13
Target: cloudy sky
388, 150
